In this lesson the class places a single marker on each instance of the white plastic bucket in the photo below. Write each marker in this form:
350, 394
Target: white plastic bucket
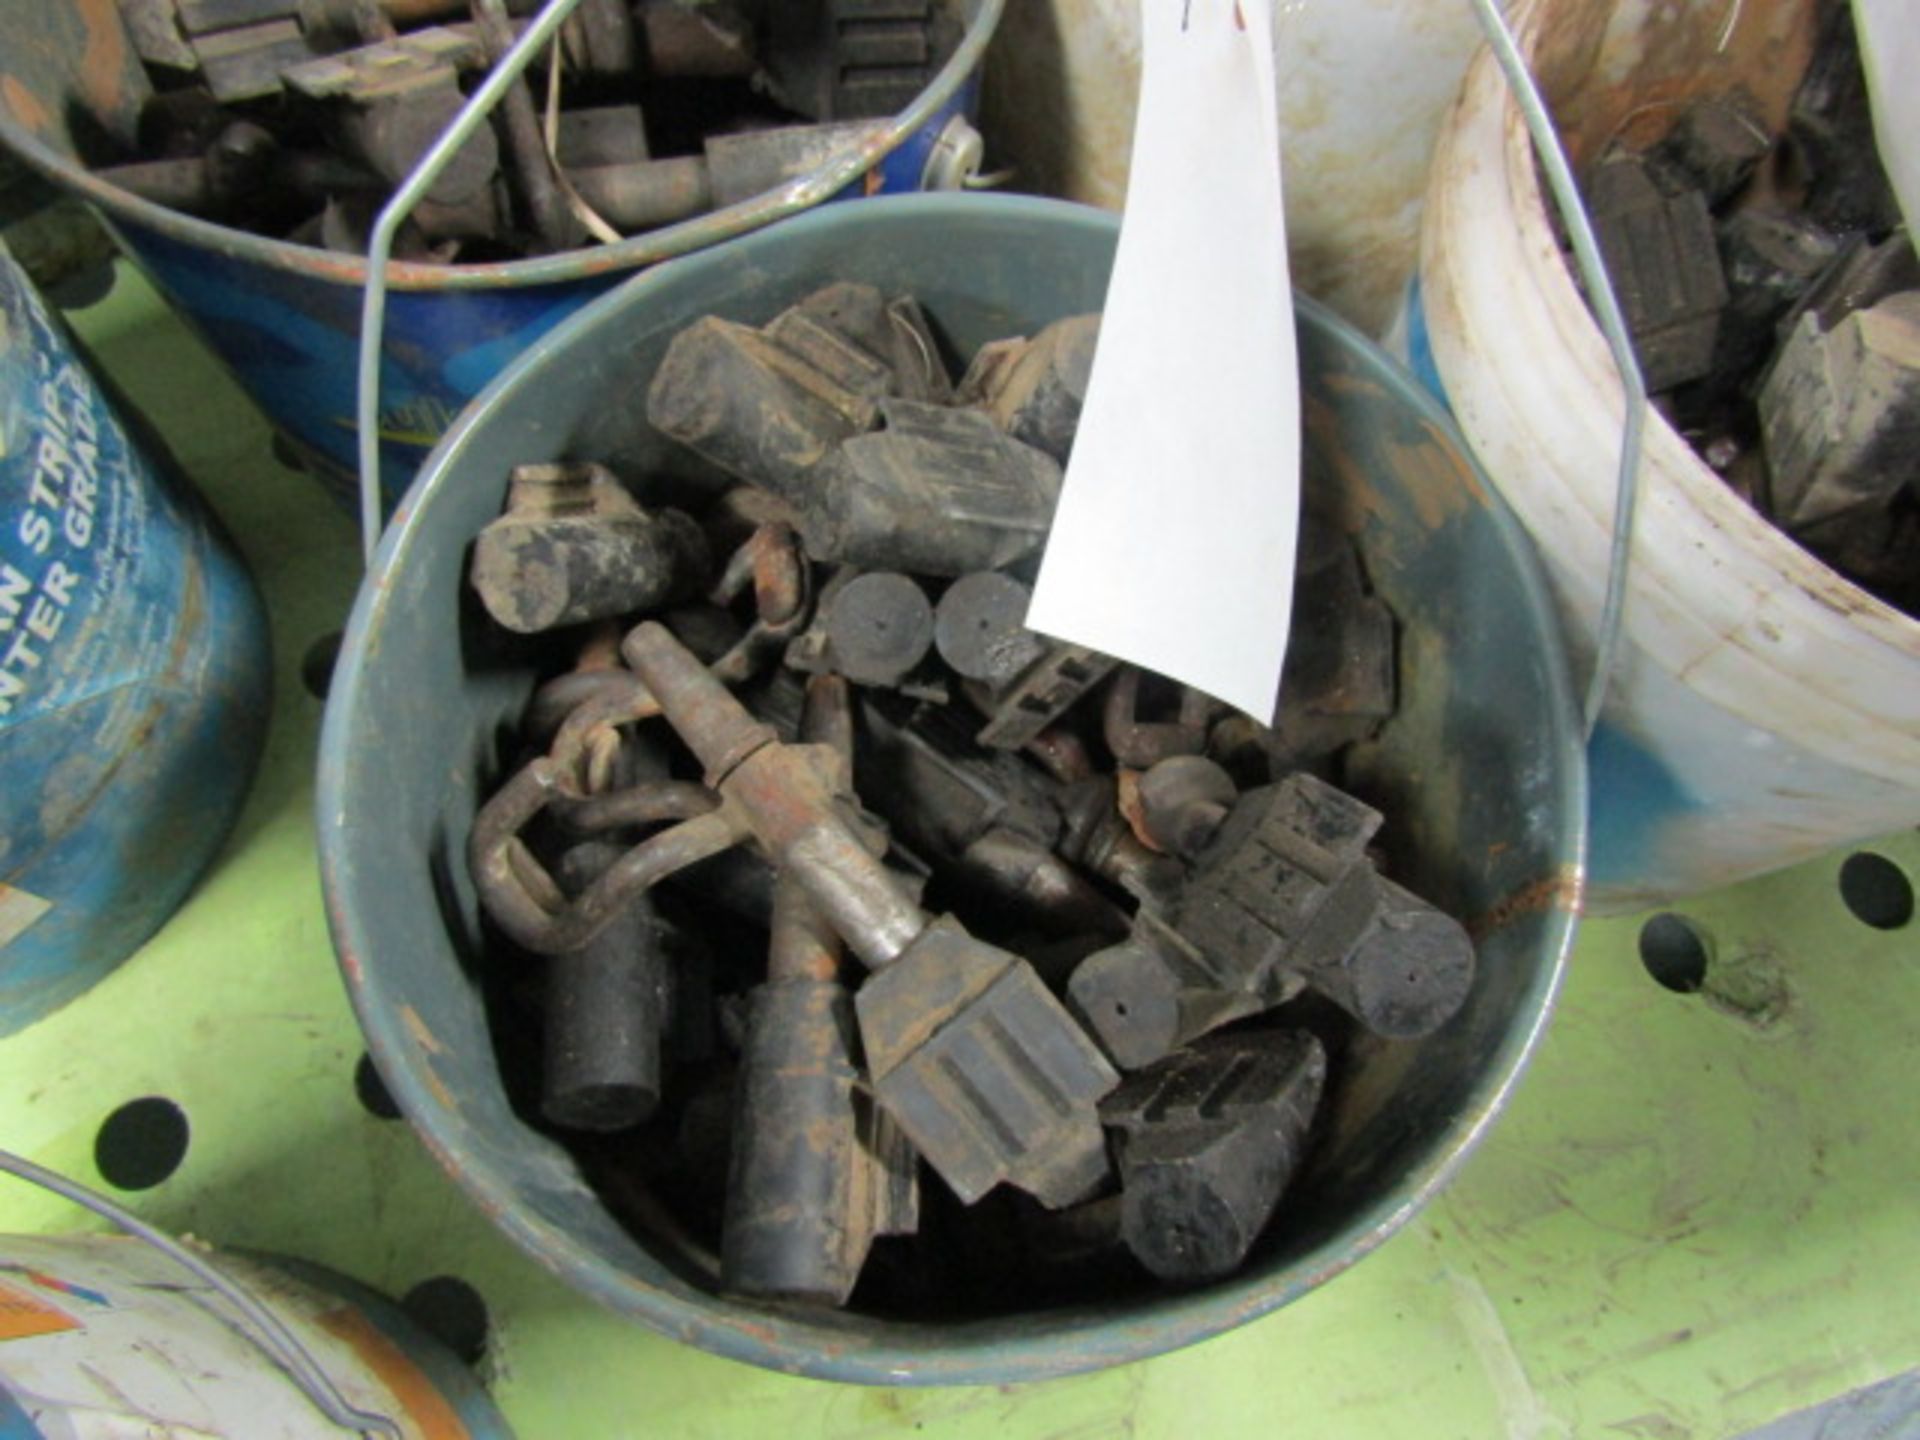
1364, 86
103, 1336
1765, 709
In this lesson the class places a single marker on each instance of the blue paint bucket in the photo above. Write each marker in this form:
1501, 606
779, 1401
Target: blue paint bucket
134, 676
286, 318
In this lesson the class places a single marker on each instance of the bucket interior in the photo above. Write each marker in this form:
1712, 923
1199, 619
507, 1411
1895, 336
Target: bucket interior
1612, 71
1480, 776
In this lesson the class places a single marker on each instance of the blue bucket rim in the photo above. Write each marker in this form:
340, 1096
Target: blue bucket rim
583, 263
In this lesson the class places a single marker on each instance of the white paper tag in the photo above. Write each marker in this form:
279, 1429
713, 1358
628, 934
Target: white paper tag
1173, 545
1889, 32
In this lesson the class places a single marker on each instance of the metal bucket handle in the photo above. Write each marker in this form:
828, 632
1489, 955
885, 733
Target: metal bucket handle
1606, 306
373, 305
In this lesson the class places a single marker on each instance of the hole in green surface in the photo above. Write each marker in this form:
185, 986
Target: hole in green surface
1675, 952
450, 1310
141, 1143
1876, 890
372, 1091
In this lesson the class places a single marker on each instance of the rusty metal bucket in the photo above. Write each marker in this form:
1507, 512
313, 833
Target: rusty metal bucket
1481, 774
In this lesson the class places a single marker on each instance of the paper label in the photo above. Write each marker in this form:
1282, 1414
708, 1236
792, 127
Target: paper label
1889, 32
1173, 545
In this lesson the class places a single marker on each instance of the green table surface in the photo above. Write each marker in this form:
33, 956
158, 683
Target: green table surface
1697, 1215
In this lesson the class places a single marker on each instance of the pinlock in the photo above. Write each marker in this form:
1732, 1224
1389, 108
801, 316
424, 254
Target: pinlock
817, 1169
971, 1054
1210, 1137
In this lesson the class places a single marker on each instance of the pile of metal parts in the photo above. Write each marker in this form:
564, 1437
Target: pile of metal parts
948, 890
1774, 301
298, 118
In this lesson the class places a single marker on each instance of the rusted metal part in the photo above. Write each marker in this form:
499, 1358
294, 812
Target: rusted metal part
968, 1050
554, 701
794, 798
531, 175
607, 1007
771, 564
1140, 743
505, 873
1098, 837
1034, 389
574, 545
650, 802
593, 722
515, 888
817, 1170
1211, 1136
1182, 802
1062, 754
826, 718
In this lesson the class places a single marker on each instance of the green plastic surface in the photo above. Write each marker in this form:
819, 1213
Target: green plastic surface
1696, 1216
